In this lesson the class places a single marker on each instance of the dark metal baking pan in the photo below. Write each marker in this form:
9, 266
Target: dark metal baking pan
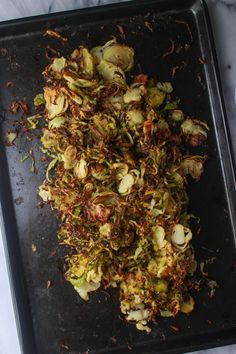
56, 320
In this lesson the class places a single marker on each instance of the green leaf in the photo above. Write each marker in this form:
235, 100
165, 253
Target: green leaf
58, 64
10, 137
165, 87
39, 99
33, 121
24, 158
171, 105
51, 166
56, 122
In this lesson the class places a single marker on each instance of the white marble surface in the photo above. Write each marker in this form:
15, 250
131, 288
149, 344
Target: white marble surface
223, 15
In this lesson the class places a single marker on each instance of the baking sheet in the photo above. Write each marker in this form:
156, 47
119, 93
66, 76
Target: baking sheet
56, 320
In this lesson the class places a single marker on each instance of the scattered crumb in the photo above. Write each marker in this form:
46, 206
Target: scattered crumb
147, 24
16, 105
55, 34
8, 84
51, 52
19, 201
24, 158
3, 51
163, 337
64, 346
176, 329
177, 67
9, 138
121, 30
34, 247
113, 339
52, 254
171, 50
31, 155
202, 61
202, 264
49, 284
141, 79
212, 286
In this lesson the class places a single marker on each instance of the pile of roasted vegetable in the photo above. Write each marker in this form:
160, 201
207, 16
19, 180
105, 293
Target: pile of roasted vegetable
117, 178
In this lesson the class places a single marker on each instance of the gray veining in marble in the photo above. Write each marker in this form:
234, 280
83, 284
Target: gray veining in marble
223, 16
22, 8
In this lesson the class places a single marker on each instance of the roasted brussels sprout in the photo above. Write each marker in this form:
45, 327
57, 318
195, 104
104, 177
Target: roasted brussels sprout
117, 177
117, 54
120, 55
195, 130
56, 102
155, 97
111, 73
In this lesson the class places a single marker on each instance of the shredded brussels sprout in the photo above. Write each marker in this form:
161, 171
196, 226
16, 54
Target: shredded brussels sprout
39, 99
120, 169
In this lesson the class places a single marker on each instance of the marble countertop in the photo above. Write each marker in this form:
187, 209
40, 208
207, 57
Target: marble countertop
223, 16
